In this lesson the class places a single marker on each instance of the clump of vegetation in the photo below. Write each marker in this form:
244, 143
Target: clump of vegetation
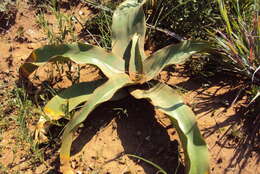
63, 30
16, 113
129, 72
98, 29
7, 14
187, 18
238, 44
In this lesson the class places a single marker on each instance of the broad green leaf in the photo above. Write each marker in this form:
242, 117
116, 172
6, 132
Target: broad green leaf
135, 64
78, 53
172, 54
128, 19
100, 95
170, 102
69, 98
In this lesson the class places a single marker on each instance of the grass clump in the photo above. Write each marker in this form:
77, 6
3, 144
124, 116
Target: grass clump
187, 18
238, 42
62, 30
17, 114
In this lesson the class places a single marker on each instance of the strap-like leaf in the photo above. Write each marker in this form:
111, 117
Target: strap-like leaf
170, 102
172, 54
100, 95
128, 19
135, 62
78, 53
71, 97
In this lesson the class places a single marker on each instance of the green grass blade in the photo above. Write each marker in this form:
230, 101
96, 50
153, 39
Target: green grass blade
78, 53
100, 95
172, 54
224, 14
170, 102
149, 162
128, 19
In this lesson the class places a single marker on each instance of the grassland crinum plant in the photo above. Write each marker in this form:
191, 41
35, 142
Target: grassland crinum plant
129, 72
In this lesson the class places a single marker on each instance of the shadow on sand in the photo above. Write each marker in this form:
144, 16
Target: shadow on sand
152, 142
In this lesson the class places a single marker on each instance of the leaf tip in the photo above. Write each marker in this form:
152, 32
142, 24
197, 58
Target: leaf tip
52, 114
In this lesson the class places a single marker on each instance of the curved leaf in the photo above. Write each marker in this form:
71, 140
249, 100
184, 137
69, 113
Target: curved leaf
172, 54
170, 102
69, 98
135, 68
100, 95
78, 53
128, 19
